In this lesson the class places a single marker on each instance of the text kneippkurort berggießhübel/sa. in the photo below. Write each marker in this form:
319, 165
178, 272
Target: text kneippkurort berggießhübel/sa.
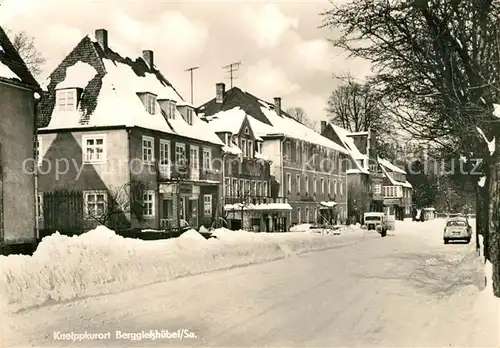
152, 335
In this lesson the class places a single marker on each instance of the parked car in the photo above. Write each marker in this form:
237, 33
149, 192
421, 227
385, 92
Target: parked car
457, 228
376, 221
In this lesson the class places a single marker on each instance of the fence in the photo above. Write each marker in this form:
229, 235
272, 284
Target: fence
63, 212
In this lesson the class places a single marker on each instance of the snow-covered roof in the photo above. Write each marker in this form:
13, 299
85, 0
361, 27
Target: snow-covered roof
12, 67
393, 181
352, 149
261, 156
261, 206
262, 118
115, 101
231, 121
233, 149
390, 166
78, 76
294, 129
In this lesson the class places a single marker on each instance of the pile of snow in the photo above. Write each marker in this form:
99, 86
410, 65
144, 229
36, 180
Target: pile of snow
300, 228
100, 262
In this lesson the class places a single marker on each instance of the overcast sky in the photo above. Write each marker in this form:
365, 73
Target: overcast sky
283, 52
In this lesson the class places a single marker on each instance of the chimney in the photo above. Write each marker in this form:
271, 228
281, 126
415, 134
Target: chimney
323, 126
148, 55
220, 91
277, 105
101, 36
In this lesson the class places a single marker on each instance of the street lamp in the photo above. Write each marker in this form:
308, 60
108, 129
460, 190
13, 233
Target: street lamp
242, 212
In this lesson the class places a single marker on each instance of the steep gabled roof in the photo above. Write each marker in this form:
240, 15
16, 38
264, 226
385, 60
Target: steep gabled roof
110, 84
351, 147
387, 168
12, 67
263, 118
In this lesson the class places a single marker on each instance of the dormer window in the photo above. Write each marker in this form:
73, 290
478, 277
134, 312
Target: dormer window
151, 103
247, 131
189, 116
66, 99
171, 110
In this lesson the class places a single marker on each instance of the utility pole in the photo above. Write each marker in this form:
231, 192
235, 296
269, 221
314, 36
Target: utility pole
231, 68
191, 72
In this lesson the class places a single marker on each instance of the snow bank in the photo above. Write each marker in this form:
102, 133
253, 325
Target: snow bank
100, 262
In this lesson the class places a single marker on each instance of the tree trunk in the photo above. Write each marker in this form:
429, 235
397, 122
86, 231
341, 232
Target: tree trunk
494, 214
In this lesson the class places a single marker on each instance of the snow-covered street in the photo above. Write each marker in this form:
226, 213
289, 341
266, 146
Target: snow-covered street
408, 289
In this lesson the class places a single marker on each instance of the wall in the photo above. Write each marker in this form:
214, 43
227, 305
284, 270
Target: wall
62, 165
272, 149
16, 140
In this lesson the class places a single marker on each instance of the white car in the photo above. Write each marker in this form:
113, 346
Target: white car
457, 228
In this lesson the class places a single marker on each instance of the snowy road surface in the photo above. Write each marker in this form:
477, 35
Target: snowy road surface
407, 289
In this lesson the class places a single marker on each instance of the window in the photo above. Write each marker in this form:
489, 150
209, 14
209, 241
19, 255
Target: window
289, 182
307, 183
315, 188
297, 178
259, 189
235, 187
377, 189
304, 153
328, 184
259, 147
164, 152
95, 203
253, 189
226, 139
94, 149
194, 163
266, 193
189, 116
66, 100
297, 152
151, 103
207, 158
299, 216
288, 150
243, 147
335, 187
241, 188
148, 149
247, 187
341, 188
315, 217
207, 205
38, 147
250, 148
247, 131
227, 187
39, 206
180, 154
171, 110
322, 186
306, 215
148, 207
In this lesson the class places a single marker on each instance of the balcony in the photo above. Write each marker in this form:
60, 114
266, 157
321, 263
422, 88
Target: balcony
210, 175
255, 200
168, 223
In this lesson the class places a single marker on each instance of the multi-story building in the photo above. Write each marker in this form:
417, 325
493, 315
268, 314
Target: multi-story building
247, 200
17, 135
119, 146
307, 169
370, 178
397, 191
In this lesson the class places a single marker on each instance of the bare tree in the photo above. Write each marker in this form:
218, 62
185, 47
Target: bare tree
299, 114
25, 45
437, 66
109, 207
357, 107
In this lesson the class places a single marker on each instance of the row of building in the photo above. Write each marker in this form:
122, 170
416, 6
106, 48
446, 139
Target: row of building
116, 144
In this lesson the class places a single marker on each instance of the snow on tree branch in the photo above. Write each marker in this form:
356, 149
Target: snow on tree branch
491, 144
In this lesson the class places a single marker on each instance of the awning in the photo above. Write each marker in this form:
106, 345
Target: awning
262, 206
329, 204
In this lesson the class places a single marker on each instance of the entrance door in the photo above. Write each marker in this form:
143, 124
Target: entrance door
167, 216
182, 208
193, 209
194, 163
